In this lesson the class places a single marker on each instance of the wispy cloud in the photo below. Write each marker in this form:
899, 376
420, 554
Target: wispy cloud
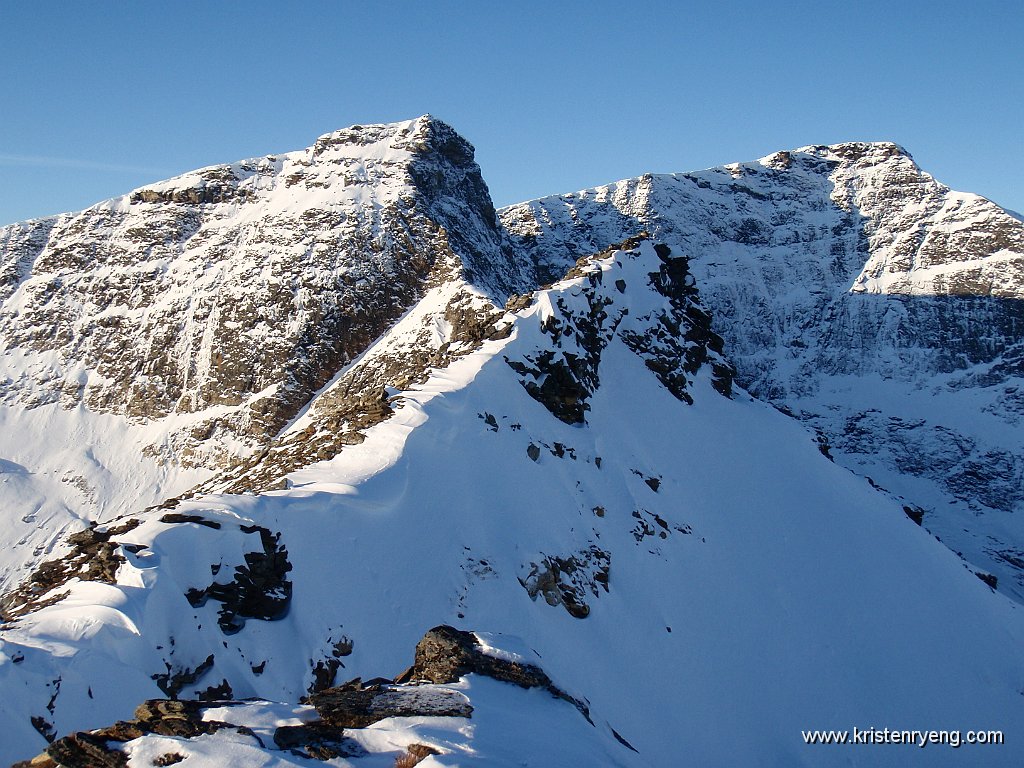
39, 161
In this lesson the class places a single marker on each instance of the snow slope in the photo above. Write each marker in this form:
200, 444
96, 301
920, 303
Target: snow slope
61, 469
698, 572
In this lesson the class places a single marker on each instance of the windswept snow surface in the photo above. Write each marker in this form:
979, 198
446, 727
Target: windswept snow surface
754, 591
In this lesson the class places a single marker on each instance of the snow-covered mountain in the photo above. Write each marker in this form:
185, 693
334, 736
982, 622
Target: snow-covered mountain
644, 565
157, 337
853, 290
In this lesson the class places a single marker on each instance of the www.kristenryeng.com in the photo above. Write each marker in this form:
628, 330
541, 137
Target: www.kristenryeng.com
918, 738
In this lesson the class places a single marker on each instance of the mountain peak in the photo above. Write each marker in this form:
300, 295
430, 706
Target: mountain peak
856, 153
857, 150
420, 136
227, 296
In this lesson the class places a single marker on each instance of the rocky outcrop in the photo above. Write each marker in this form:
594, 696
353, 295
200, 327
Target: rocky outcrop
682, 340
442, 657
568, 581
101, 748
325, 670
93, 557
260, 588
583, 313
445, 654
176, 678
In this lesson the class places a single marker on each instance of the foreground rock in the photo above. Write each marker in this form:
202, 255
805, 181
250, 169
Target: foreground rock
332, 719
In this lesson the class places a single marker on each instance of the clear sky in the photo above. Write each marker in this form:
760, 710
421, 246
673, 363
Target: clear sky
99, 98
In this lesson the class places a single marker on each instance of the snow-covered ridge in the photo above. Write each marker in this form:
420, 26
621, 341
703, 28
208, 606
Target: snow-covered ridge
910, 221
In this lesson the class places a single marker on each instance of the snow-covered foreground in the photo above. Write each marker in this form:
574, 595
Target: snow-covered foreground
700, 574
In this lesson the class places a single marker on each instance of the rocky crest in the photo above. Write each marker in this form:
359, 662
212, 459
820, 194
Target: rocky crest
661, 321
332, 719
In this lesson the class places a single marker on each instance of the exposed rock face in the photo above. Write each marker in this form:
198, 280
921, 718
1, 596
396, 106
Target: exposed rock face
855, 292
317, 740
682, 341
260, 588
366, 392
357, 706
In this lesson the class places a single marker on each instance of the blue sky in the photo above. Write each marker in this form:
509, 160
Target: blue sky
99, 98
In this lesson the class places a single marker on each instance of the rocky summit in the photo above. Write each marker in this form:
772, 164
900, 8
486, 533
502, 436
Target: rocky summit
673, 470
